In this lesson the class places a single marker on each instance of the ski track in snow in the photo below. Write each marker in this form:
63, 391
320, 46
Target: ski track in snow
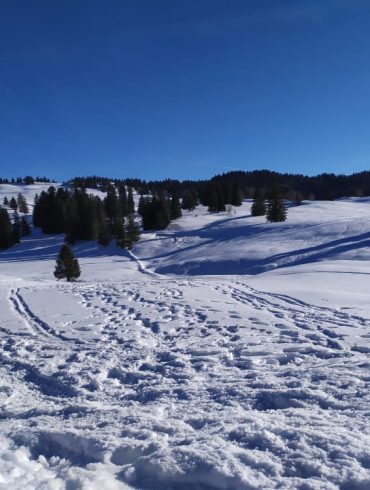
188, 384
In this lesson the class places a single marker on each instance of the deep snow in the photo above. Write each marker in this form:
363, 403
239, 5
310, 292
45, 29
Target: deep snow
225, 352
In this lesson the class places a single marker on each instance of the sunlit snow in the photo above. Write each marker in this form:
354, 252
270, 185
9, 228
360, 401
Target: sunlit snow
223, 353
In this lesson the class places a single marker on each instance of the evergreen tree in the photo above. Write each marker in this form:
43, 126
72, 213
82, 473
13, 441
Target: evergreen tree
121, 236
104, 235
155, 213
22, 204
276, 210
67, 265
122, 197
162, 213
25, 227
298, 198
132, 231
216, 201
189, 200
5, 230
111, 203
13, 204
130, 201
6, 201
28, 180
236, 196
16, 229
143, 201
258, 205
175, 206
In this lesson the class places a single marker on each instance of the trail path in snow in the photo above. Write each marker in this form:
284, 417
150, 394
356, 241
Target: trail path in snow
183, 383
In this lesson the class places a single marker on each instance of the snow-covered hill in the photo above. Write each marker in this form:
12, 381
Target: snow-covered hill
224, 353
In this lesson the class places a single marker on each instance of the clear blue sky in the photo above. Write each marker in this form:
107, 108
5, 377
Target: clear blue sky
183, 88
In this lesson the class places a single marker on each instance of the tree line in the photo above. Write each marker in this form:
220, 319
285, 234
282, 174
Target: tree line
326, 186
28, 180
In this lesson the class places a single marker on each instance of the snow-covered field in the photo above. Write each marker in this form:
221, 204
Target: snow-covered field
224, 353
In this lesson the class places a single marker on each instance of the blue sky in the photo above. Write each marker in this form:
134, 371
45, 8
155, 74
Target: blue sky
183, 88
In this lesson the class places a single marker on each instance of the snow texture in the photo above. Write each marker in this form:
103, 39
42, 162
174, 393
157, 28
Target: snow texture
223, 353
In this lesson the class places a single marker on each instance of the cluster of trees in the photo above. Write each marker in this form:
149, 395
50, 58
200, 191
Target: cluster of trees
158, 211
216, 195
273, 206
13, 227
28, 180
83, 216
17, 204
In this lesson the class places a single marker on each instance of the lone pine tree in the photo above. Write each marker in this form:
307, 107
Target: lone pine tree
67, 265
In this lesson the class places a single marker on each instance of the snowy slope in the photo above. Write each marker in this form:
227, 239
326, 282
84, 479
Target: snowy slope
132, 378
202, 243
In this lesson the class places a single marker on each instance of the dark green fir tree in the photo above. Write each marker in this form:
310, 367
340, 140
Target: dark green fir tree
5, 230
189, 199
175, 206
16, 229
276, 209
67, 266
25, 227
130, 201
258, 205
132, 231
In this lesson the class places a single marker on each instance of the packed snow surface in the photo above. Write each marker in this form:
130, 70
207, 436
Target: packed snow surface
223, 353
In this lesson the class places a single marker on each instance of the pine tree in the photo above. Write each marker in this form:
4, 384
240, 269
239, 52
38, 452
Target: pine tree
130, 201
67, 265
104, 235
5, 230
122, 196
121, 235
6, 201
298, 198
13, 204
175, 206
16, 229
25, 227
143, 201
111, 203
22, 204
258, 205
236, 196
216, 200
155, 213
189, 200
276, 210
132, 231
